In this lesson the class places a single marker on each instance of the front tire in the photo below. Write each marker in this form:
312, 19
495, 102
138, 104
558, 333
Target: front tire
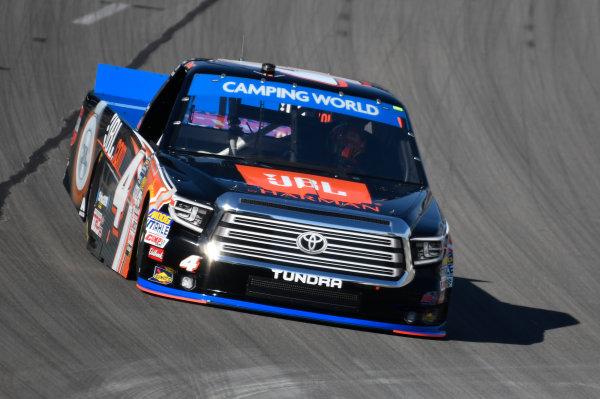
138, 253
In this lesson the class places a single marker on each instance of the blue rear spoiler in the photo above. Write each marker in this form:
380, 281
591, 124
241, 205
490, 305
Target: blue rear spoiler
127, 91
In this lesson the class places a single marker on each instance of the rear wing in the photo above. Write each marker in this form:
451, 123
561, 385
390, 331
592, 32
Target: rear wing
127, 91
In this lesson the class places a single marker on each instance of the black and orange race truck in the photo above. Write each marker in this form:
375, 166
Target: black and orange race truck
266, 188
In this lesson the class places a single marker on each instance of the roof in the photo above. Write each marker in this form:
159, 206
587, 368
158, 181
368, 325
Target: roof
290, 75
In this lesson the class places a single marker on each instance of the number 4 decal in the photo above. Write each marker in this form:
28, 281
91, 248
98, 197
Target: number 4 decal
190, 263
124, 185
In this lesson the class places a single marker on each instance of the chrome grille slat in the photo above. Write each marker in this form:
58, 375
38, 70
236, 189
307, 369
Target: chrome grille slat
292, 259
253, 221
279, 240
273, 242
308, 258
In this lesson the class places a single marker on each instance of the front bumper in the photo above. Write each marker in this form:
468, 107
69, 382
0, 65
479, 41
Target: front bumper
437, 331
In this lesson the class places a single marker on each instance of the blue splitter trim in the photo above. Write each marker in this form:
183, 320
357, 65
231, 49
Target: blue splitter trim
437, 331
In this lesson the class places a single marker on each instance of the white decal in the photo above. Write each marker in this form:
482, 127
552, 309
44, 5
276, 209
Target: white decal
157, 228
97, 222
155, 240
307, 279
124, 239
302, 182
327, 189
300, 95
82, 208
285, 180
190, 263
122, 189
306, 182
111, 134
102, 199
156, 253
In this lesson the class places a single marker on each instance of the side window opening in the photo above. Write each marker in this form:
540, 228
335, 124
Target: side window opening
156, 117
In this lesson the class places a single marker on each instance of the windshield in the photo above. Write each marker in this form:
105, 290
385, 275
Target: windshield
281, 124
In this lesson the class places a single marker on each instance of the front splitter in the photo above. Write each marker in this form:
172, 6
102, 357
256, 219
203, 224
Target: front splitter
158, 289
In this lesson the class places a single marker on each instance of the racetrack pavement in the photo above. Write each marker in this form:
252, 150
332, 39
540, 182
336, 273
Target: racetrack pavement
504, 99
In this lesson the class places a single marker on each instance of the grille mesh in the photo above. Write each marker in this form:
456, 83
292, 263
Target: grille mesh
262, 287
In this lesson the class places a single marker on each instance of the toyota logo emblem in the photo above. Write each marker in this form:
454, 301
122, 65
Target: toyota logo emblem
311, 242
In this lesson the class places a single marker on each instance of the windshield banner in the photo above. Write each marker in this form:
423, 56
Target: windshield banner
274, 94
302, 184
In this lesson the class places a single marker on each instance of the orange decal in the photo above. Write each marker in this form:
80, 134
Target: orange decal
119, 155
303, 184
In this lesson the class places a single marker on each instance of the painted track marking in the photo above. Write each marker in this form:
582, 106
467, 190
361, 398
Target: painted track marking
102, 13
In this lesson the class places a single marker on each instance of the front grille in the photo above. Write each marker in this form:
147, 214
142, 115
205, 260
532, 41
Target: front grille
274, 241
261, 287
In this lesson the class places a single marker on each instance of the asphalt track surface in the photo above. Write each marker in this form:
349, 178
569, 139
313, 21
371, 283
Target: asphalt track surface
505, 100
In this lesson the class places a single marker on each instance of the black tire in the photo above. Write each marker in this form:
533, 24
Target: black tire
137, 253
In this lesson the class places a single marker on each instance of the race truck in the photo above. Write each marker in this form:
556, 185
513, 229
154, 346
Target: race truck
265, 188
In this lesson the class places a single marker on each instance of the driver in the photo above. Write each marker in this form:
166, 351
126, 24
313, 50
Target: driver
348, 142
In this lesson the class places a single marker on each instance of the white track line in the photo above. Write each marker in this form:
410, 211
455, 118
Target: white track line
102, 13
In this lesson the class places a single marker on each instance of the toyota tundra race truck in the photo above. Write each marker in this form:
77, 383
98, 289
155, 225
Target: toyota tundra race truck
265, 188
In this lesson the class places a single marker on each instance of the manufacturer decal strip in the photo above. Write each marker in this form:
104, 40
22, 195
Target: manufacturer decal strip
274, 93
434, 332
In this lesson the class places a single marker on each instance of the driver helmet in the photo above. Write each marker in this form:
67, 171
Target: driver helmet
348, 141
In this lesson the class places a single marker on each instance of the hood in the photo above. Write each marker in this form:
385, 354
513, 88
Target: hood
206, 178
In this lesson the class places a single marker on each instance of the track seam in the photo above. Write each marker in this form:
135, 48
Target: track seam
40, 156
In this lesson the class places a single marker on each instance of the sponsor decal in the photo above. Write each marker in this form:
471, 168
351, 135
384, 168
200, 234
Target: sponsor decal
303, 184
137, 198
447, 268
102, 200
445, 281
158, 223
155, 240
251, 91
111, 134
323, 99
82, 208
157, 228
97, 222
307, 279
162, 275
131, 215
430, 316
442, 297
156, 253
430, 298
160, 217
